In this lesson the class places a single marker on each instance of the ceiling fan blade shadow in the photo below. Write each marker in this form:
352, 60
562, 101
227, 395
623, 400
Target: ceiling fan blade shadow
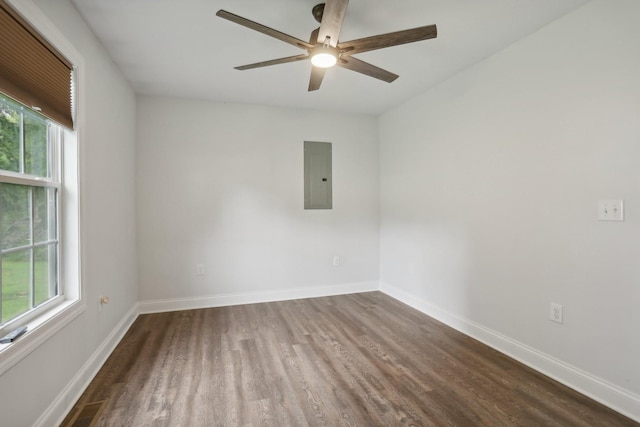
317, 74
295, 58
387, 40
264, 29
332, 19
365, 68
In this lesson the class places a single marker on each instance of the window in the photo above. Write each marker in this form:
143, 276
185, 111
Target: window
30, 153
40, 230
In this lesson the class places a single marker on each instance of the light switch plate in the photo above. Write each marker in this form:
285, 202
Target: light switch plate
610, 210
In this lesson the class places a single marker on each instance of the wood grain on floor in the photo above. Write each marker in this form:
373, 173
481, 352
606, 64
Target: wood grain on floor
352, 360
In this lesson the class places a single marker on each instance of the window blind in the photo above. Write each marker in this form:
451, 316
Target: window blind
32, 71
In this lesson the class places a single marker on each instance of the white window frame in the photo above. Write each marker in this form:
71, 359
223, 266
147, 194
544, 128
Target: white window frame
54, 156
45, 325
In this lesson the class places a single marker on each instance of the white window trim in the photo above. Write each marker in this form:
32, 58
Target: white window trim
45, 326
54, 180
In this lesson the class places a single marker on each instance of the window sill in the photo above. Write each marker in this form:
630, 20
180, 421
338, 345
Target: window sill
39, 330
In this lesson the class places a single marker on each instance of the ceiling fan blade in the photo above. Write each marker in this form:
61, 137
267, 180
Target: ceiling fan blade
317, 74
353, 64
295, 58
264, 29
332, 18
387, 40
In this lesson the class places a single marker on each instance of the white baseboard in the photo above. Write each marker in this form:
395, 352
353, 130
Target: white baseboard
60, 407
608, 394
159, 306
618, 399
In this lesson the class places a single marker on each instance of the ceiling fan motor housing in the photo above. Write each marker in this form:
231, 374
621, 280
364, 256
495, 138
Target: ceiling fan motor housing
317, 12
324, 48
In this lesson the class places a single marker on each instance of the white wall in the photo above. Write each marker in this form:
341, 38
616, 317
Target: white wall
488, 190
489, 186
222, 185
39, 388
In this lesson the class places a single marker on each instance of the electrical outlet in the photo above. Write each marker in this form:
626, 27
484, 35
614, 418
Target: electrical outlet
555, 312
336, 260
102, 301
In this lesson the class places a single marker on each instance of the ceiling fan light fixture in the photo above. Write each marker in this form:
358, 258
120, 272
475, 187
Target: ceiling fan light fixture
324, 57
324, 49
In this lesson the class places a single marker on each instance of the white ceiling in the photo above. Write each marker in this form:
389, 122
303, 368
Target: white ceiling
180, 48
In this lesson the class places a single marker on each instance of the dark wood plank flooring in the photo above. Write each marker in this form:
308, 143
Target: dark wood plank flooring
353, 360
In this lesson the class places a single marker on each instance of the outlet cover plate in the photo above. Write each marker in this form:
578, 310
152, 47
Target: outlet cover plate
555, 312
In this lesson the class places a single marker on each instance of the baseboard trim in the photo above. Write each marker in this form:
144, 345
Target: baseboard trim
608, 394
616, 398
60, 407
223, 300
63, 403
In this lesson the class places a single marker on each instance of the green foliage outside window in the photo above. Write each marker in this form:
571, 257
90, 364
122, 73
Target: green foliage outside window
26, 224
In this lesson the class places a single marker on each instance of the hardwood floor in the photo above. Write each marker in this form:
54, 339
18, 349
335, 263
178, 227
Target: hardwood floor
352, 360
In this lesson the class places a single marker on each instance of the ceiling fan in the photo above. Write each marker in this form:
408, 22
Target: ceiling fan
324, 48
